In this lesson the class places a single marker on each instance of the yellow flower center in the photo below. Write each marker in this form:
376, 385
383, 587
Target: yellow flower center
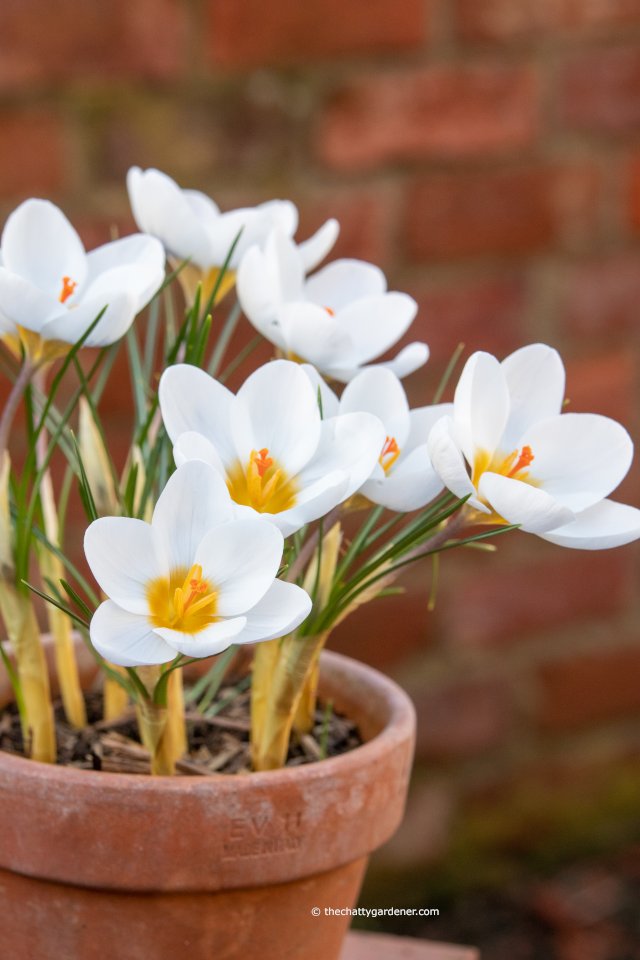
183, 601
68, 288
514, 465
390, 453
262, 484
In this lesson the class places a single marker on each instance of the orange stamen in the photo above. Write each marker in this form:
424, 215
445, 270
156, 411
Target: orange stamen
331, 312
390, 453
524, 460
68, 287
262, 461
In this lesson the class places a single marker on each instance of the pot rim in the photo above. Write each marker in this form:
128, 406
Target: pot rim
134, 832
399, 723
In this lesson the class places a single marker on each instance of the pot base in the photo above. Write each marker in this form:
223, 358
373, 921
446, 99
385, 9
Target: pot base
50, 921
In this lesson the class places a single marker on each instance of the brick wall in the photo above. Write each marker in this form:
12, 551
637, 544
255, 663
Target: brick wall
487, 154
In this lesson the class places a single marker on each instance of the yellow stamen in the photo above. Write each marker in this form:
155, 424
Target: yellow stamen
262, 484
514, 466
184, 601
68, 288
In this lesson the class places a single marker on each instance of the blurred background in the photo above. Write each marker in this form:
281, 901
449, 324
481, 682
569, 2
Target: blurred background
486, 154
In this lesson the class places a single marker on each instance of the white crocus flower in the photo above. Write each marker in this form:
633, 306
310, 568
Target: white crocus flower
403, 478
278, 457
51, 291
192, 227
528, 463
193, 581
339, 319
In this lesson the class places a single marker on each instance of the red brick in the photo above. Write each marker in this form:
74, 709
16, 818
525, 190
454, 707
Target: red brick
387, 630
498, 604
605, 383
484, 314
43, 42
461, 719
505, 21
366, 217
634, 192
601, 296
435, 112
509, 211
592, 687
33, 159
245, 33
599, 91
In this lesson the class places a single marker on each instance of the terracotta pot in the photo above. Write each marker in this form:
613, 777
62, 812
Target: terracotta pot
96, 865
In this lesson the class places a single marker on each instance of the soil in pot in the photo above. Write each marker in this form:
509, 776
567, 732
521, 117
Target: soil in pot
218, 740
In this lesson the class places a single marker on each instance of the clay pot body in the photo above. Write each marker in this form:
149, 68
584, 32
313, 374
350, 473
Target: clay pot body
96, 865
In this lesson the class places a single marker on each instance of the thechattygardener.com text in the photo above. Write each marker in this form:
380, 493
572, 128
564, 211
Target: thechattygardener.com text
375, 912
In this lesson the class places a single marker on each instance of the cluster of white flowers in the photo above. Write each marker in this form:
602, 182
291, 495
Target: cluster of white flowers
286, 450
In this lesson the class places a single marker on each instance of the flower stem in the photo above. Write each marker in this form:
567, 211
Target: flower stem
310, 545
27, 370
153, 725
296, 658
52, 568
24, 634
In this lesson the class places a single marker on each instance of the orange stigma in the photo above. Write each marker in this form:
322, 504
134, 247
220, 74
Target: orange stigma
524, 460
390, 453
68, 288
262, 461
331, 312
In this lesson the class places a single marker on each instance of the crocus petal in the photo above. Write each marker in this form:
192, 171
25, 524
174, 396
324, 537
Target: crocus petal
579, 458
160, 208
193, 446
282, 609
406, 361
535, 380
276, 408
259, 293
191, 400
127, 639
350, 443
116, 316
313, 334
206, 643
313, 502
194, 501
410, 485
328, 399
134, 264
533, 509
281, 214
343, 281
448, 462
241, 560
39, 244
378, 391
26, 305
606, 524
125, 555
313, 250
481, 406
375, 323
421, 422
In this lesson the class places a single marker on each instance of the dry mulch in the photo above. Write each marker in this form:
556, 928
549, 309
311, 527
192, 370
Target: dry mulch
218, 740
